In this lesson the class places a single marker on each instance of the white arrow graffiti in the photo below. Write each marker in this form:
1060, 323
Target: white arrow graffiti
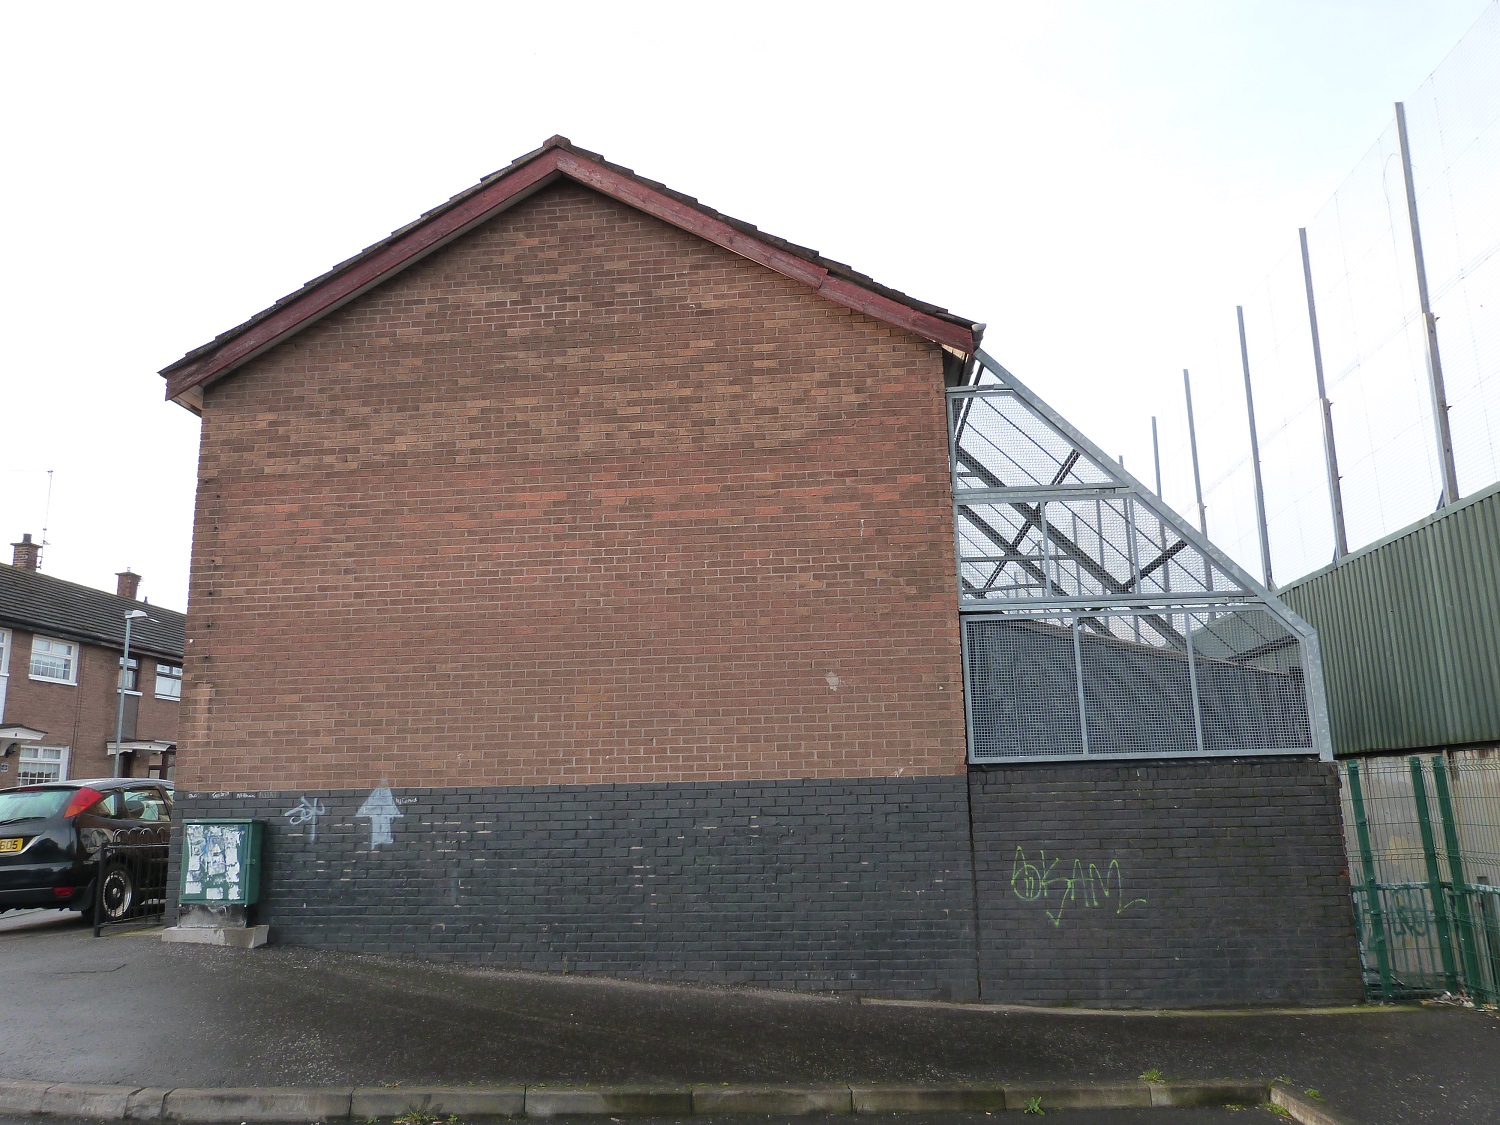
380, 808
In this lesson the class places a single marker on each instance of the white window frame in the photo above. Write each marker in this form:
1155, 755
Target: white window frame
31, 754
177, 679
73, 660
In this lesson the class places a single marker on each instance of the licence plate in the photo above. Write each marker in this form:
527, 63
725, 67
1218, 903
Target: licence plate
14, 844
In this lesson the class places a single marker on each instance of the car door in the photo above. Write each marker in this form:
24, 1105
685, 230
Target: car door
101, 823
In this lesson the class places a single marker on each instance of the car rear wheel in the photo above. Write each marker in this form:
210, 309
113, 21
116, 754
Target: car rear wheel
116, 895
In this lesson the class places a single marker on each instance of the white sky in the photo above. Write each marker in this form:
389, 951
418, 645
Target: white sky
1100, 182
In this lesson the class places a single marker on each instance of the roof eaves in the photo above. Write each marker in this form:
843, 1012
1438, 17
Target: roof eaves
85, 636
40, 603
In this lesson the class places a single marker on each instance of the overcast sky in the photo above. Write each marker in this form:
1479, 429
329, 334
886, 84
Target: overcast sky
1098, 182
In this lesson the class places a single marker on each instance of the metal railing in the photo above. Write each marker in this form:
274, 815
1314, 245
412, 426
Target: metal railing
1096, 623
130, 888
1423, 838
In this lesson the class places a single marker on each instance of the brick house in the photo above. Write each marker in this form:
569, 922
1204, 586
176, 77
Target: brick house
61, 645
575, 585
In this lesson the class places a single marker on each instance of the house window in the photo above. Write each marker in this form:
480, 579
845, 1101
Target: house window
168, 681
41, 764
129, 674
54, 661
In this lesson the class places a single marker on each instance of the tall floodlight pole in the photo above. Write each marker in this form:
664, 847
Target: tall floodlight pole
1434, 361
1187, 393
1330, 457
130, 616
1156, 455
1161, 540
1260, 488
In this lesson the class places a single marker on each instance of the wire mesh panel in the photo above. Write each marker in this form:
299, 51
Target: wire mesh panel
1024, 702
1006, 441
1137, 688
1097, 624
1144, 683
1252, 693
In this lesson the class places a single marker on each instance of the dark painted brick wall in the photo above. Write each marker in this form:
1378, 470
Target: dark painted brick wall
858, 885
1163, 883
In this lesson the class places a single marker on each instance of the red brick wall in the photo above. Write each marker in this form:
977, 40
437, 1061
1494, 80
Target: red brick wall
81, 716
579, 499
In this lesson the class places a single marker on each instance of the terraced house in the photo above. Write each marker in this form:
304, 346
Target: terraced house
586, 580
61, 647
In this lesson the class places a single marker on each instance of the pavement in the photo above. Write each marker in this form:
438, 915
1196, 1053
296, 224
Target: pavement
128, 1010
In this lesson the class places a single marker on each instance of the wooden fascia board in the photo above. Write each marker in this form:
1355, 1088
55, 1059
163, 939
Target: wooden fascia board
508, 191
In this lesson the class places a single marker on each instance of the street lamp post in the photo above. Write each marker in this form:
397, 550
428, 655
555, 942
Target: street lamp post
130, 615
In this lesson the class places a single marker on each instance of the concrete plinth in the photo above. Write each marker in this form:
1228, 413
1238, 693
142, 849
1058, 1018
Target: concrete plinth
236, 937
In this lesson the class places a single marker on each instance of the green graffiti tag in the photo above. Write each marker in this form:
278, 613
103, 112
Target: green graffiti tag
1085, 884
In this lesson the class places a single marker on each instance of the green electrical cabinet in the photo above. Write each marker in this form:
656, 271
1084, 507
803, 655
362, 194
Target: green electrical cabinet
221, 862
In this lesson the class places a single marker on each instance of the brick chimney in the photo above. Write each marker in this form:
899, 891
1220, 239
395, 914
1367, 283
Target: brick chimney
127, 584
27, 553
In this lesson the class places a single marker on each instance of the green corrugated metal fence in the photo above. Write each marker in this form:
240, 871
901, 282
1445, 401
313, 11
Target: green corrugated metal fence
1423, 836
1410, 633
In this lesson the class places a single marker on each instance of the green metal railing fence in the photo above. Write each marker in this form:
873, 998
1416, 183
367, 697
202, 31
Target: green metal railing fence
1423, 836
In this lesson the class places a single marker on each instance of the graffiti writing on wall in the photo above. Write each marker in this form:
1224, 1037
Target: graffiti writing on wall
1063, 885
307, 812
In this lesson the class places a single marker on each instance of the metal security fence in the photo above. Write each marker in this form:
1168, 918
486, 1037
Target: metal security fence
1356, 328
1095, 623
131, 885
1423, 835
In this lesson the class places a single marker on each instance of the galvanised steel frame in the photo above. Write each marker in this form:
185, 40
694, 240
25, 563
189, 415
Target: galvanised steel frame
1096, 622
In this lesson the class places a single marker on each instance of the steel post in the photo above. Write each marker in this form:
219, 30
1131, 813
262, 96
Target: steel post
1434, 360
1260, 488
1156, 455
1187, 392
1161, 546
1330, 456
1083, 704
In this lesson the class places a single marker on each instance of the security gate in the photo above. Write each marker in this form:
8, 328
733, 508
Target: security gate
1423, 836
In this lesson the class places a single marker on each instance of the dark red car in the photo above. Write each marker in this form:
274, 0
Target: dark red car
50, 836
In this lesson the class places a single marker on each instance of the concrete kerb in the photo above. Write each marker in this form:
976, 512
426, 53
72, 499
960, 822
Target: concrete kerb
1302, 1107
347, 1103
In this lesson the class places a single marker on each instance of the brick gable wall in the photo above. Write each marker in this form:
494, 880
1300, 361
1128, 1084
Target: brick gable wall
579, 499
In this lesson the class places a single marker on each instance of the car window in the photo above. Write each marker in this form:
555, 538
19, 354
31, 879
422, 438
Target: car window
34, 803
107, 805
147, 805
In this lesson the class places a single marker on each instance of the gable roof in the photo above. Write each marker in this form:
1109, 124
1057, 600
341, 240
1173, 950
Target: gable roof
556, 159
42, 604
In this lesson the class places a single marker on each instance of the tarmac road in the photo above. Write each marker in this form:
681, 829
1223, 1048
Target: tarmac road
1054, 1117
126, 1008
